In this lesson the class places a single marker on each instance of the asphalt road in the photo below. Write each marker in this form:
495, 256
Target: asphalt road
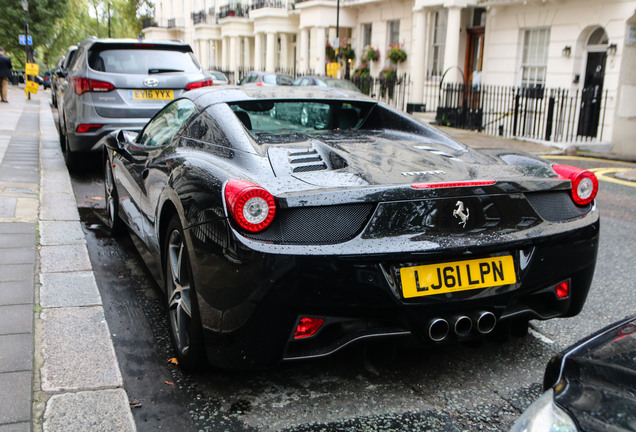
367, 388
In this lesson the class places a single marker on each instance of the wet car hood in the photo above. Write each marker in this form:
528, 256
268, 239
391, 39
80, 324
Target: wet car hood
595, 381
371, 158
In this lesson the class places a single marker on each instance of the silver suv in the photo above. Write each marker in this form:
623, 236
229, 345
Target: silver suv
120, 84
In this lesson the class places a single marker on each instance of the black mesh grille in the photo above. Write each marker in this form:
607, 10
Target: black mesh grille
556, 206
316, 225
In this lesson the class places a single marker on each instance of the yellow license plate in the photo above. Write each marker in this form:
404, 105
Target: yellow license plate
152, 94
457, 276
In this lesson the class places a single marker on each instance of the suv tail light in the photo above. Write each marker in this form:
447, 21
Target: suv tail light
251, 206
198, 84
83, 85
584, 182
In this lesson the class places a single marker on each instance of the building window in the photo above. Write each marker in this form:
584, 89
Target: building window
394, 32
366, 34
534, 57
439, 42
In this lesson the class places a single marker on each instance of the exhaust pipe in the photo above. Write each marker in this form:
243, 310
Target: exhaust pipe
438, 329
486, 322
462, 325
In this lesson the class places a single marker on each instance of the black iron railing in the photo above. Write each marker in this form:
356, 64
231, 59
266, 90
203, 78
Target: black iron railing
555, 114
199, 17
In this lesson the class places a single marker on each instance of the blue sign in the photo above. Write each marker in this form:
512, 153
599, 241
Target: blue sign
22, 41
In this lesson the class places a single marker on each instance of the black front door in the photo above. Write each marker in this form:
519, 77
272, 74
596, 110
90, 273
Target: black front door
592, 94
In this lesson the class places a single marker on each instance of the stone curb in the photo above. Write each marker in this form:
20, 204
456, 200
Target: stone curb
79, 377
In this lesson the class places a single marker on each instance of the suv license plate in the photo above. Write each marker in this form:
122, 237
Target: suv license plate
455, 276
152, 94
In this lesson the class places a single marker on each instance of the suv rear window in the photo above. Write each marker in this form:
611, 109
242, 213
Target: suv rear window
142, 61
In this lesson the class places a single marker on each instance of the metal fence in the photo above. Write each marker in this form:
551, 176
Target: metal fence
392, 91
556, 114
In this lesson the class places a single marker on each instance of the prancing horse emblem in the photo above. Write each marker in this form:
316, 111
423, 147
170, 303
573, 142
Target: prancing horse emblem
459, 213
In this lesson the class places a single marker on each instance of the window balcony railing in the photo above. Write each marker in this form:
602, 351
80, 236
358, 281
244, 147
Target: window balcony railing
172, 23
260, 4
234, 9
148, 22
199, 17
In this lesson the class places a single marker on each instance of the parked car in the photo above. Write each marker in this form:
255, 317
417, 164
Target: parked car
59, 82
121, 83
46, 79
266, 79
310, 80
275, 240
590, 386
218, 78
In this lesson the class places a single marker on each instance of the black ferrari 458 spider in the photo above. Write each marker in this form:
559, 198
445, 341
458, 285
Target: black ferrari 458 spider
281, 237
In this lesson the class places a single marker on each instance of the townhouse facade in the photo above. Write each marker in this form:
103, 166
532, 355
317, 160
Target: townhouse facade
569, 65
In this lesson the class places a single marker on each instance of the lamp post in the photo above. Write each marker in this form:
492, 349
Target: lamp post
25, 6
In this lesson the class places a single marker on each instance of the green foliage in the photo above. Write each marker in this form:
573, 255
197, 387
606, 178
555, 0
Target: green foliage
57, 24
370, 54
396, 54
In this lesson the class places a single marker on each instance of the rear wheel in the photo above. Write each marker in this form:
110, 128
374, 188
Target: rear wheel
183, 311
113, 221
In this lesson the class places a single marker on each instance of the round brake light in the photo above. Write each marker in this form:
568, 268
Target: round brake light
584, 183
251, 206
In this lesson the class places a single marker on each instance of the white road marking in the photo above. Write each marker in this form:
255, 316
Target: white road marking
541, 337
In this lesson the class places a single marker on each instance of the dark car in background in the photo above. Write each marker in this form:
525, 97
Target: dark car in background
58, 81
115, 84
276, 240
218, 78
46, 79
590, 386
266, 79
310, 80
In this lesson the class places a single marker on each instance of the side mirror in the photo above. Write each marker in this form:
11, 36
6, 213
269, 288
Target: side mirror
60, 73
120, 143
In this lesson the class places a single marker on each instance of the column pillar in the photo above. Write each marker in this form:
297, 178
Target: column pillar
451, 51
224, 54
417, 63
247, 54
283, 62
258, 51
319, 58
233, 52
303, 61
270, 53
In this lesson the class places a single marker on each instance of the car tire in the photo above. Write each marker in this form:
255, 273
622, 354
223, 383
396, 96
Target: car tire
183, 313
114, 223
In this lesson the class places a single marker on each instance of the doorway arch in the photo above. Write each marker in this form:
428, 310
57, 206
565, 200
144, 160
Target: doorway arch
593, 42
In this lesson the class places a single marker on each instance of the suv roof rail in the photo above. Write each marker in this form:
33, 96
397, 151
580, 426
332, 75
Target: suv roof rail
177, 40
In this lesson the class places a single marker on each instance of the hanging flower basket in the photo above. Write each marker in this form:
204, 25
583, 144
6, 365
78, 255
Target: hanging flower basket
370, 54
330, 53
396, 54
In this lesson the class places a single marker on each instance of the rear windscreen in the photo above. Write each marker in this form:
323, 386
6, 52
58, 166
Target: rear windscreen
142, 61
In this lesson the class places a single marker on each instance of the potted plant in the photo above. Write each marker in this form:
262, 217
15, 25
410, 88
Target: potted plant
396, 54
388, 78
370, 54
362, 78
330, 53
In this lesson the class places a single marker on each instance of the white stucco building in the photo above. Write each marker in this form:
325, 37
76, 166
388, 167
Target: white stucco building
587, 47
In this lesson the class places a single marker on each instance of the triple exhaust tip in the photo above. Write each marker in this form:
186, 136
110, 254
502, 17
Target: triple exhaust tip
462, 325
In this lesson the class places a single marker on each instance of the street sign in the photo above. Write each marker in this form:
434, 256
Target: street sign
32, 69
22, 41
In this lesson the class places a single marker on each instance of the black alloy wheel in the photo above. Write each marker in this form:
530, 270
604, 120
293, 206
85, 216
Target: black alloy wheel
183, 312
113, 221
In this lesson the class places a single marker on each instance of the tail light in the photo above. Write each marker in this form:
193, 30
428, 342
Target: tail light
452, 184
562, 290
307, 327
83, 85
251, 206
199, 84
584, 182
83, 128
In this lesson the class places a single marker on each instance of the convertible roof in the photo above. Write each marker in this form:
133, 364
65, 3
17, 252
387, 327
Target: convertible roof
213, 95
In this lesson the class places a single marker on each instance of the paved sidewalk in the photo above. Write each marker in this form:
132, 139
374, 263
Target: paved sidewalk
58, 370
